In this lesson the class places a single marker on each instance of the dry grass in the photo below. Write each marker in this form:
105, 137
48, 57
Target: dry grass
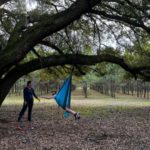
106, 123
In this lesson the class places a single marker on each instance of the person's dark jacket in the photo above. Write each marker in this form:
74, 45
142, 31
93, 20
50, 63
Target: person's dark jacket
28, 94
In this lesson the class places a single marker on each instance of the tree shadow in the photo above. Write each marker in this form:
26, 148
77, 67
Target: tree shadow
3, 121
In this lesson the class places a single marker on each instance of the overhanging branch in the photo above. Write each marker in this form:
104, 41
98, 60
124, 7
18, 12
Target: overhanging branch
60, 60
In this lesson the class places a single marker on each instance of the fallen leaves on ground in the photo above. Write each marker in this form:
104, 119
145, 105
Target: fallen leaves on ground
118, 130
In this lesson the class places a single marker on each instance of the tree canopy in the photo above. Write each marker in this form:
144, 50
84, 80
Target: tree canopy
79, 32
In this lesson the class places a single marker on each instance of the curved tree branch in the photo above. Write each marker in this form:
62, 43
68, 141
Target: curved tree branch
72, 59
79, 59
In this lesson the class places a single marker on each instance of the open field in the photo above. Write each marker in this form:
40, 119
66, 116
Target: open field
108, 124
94, 99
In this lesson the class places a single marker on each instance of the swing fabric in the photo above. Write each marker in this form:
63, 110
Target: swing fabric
63, 96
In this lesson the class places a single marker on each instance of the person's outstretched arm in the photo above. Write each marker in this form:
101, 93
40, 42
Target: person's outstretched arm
47, 97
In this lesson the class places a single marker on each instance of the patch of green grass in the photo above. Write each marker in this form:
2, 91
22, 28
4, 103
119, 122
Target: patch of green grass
109, 111
13, 100
95, 104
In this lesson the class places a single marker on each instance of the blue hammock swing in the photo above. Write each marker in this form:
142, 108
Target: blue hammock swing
63, 96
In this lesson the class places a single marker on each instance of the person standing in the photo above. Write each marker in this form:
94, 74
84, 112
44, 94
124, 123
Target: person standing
28, 94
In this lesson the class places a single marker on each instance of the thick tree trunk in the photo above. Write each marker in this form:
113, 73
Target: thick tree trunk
5, 87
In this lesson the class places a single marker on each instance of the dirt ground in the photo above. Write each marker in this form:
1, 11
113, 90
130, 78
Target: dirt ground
99, 128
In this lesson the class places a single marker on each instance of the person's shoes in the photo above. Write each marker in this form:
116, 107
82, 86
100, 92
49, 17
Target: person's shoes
30, 126
77, 115
18, 127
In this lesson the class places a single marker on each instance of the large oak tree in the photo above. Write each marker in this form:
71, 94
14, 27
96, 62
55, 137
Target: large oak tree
66, 27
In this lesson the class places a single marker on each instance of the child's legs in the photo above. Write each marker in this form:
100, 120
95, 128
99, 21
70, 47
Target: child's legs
71, 111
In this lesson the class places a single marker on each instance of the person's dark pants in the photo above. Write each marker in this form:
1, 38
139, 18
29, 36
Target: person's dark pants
28, 104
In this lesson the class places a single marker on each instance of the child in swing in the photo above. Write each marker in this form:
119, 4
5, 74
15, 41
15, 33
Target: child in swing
75, 114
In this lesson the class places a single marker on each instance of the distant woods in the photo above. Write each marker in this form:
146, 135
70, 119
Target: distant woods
41, 87
137, 88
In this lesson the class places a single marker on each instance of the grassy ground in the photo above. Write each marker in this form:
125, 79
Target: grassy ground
94, 99
108, 124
